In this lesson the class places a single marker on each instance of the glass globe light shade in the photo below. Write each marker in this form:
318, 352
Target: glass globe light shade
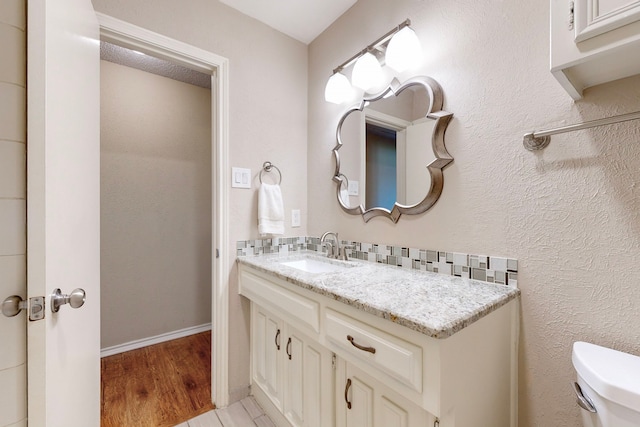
404, 50
367, 72
383, 83
338, 89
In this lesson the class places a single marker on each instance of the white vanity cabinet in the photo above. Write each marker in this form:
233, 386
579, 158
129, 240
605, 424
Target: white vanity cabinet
594, 42
350, 368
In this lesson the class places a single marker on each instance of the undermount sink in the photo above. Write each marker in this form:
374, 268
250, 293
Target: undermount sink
312, 265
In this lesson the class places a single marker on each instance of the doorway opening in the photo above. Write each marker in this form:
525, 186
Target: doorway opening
156, 238
380, 154
126, 35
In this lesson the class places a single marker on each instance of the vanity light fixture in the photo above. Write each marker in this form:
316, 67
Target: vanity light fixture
401, 49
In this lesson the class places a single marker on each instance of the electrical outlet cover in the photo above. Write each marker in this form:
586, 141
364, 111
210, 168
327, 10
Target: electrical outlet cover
295, 217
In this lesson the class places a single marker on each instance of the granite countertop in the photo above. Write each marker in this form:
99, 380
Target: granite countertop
434, 304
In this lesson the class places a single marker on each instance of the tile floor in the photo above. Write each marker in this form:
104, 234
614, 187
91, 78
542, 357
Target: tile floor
246, 413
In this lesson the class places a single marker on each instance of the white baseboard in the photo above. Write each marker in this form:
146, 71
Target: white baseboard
144, 342
268, 407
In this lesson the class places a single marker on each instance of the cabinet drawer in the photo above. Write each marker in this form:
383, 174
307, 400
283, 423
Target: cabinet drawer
289, 305
390, 354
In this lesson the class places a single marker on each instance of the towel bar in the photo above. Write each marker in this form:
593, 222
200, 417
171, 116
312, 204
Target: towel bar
538, 140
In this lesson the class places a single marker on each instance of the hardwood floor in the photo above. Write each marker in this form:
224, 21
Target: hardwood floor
158, 386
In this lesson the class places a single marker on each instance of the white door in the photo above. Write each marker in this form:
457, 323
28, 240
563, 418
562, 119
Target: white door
13, 132
63, 211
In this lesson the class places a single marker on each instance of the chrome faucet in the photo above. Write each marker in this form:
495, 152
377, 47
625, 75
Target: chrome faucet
334, 250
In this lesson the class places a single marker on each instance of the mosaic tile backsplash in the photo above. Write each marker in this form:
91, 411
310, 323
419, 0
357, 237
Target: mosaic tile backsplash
490, 269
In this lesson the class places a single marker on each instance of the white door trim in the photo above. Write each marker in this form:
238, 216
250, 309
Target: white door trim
131, 36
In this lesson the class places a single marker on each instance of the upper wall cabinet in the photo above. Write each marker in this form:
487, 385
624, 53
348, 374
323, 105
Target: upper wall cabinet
594, 42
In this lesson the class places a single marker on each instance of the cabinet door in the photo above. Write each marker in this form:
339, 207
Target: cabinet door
595, 17
367, 402
318, 380
594, 42
308, 382
359, 399
267, 335
294, 373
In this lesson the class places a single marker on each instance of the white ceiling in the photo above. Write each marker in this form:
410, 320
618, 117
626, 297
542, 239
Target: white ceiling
303, 20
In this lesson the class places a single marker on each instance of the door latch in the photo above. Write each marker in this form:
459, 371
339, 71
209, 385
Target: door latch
572, 15
14, 304
36, 308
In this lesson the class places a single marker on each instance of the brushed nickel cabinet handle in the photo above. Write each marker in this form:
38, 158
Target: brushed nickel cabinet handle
359, 347
346, 392
278, 339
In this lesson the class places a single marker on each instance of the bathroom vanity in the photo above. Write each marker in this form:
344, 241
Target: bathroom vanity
358, 344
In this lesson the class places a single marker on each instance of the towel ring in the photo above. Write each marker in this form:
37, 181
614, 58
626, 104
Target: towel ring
266, 167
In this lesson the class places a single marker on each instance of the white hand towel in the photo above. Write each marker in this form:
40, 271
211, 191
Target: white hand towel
270, 210
344, 195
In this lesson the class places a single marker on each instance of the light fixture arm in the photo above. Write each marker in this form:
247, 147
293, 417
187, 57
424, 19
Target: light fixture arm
376, 44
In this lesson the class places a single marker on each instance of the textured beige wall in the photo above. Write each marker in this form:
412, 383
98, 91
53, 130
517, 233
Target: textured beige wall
13, 114
268, 120
155, 144
569, 214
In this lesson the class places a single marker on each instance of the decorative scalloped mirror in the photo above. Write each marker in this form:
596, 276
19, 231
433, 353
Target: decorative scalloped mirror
390, 151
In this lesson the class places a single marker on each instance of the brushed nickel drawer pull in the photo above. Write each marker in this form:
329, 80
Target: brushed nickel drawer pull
359, 347
346, 391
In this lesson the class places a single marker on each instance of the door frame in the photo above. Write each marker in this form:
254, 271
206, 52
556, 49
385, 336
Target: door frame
127, 35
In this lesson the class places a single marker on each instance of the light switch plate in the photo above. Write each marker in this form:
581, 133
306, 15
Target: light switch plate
240, 178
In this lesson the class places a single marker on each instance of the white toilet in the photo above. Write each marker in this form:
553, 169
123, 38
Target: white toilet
608, 387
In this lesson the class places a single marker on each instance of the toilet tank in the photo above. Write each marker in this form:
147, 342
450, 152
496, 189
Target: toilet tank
610, 380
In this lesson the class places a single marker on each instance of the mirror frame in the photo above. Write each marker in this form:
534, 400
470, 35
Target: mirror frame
442, 156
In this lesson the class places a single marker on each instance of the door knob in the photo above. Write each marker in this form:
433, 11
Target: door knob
13, 305
75, 299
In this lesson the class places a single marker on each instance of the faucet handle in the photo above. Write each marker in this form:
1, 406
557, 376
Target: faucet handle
344, 254
330, 248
